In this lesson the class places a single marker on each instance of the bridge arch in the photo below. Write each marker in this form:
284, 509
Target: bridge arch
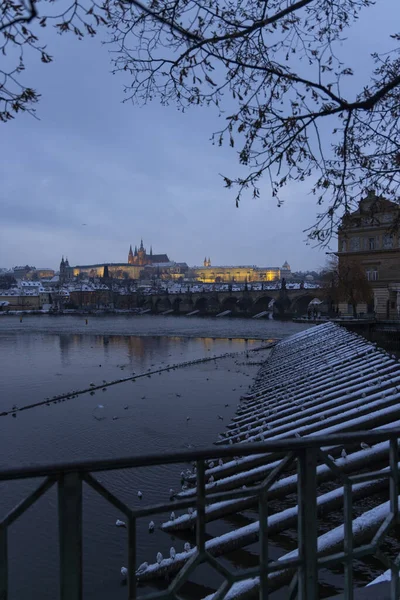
299, 305
261, 304
162, 304
201, 304
230, 303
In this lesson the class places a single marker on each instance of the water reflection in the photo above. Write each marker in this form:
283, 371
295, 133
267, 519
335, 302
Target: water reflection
143, 348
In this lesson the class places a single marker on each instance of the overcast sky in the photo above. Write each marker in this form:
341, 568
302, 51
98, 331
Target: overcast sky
95, 175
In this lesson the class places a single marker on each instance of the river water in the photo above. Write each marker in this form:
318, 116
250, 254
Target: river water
43, 356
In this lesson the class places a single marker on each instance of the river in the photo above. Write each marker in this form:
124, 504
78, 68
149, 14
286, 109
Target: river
43, 356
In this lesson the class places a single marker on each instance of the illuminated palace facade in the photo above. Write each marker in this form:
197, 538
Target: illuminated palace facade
240, 274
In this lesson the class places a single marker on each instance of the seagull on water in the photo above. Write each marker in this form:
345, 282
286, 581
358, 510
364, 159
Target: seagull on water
142, 568
119, 523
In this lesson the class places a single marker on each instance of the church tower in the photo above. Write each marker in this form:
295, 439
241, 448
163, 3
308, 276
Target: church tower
205, 261
130, 256
141, 254
65, 271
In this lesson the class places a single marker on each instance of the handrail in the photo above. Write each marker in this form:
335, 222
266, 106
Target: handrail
304, 455
150, 460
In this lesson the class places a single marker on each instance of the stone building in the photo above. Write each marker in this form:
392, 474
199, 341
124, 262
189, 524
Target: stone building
140, 257
370, 236
133, 269
238, 274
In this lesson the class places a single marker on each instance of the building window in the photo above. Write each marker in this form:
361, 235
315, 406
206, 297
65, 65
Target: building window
371, 243
354, 244
387, 241
372, 274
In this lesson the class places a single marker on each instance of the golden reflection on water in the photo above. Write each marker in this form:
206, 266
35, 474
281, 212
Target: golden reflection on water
141, 347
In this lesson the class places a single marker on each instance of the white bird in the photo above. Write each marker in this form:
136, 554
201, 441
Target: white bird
119, 523
186, 547
171, 493
151, 526
159, 558
172, 517
211, 479
211, 465
343, 453
124, 571
220, 462
190, 510
142, 568
364, 446
140, 495
230, 441
172, 552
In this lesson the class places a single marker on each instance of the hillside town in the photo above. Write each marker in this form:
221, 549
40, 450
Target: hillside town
364, 280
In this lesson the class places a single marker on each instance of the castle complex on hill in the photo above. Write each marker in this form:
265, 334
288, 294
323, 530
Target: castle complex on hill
138, 262
143, 265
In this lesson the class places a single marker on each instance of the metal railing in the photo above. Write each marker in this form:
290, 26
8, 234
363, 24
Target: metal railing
302, 454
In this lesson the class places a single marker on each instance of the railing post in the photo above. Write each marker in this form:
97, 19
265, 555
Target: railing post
307, 524
3, 563
263, 520
70, 535
201, 507
132, 558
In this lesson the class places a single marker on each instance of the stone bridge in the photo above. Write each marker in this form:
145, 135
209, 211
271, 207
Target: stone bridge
245, 303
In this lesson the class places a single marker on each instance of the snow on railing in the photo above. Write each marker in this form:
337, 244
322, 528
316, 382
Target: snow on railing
322, 381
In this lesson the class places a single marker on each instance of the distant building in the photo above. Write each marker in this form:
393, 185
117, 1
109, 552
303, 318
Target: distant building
133, 269
42, 273
22, 272
238, 274
369, 236
140, 257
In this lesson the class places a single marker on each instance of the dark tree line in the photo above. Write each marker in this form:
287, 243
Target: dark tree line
269, 66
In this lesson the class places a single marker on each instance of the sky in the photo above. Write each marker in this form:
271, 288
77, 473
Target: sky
93, 175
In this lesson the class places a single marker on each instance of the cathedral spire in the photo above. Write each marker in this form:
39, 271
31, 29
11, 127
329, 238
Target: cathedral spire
151, 250
135, 250
141, 244
130, 255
